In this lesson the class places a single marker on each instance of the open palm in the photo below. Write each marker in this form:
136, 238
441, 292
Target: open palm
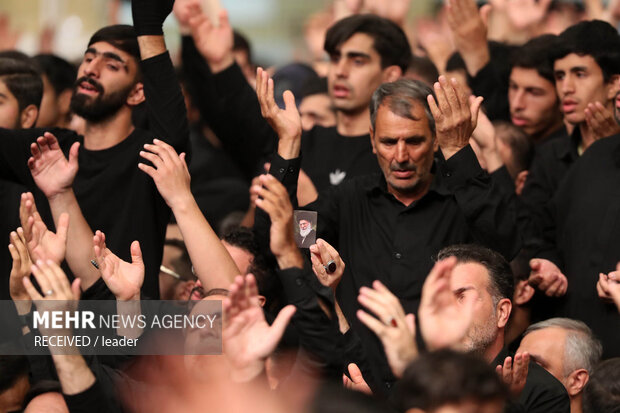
124, 279
51, 171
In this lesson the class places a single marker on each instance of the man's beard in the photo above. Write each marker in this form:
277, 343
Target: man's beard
100, 108
304, 232
480, 337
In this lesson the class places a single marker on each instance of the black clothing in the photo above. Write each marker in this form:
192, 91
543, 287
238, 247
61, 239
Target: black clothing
581, 238
379, 238
113, 194
230, 107
307, 241
542, 393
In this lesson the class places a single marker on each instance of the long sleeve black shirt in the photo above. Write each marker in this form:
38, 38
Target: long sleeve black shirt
380, 238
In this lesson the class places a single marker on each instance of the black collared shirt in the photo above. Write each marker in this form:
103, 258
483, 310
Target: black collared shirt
379, 238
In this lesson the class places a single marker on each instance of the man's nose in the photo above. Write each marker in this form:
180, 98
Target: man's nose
402, 156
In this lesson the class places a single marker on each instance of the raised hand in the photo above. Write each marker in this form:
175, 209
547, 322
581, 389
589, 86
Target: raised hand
395, 329
608, 287
215, 43
323, 255
469, 31
58, 293
183, 11
443, 319
547, 277
149, 15
21, 265
51, 171
271, 197
524, 14
514, 372
42, 243
169, 172
248, 339
122, 278
286, 122
455, 117
356, 382
601, 121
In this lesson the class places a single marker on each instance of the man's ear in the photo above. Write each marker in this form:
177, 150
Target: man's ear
576, 381
523, 293
392, 73
28, 117
372, 139
504, 307
613, 86
64, 102
262, 300
520, 181
136, 96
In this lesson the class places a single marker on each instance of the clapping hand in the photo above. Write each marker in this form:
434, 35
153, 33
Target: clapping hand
547, 277
514, 372
51, 171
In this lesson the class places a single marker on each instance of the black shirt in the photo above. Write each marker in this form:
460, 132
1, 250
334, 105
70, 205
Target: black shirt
581, 237
379, 238
113, 194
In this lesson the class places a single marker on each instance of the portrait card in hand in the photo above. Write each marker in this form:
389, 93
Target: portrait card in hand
305, 228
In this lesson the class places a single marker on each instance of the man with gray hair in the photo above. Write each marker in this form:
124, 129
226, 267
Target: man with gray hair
568, 350
431, 193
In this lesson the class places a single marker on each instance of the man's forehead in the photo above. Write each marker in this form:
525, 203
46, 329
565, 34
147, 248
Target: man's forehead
469, 275
529, 76
105, 47
359, 42
574, 59
389, 115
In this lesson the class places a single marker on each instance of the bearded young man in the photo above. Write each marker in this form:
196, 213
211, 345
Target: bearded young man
100, 185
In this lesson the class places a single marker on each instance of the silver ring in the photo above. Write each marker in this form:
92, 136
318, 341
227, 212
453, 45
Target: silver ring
330, 267
49, 292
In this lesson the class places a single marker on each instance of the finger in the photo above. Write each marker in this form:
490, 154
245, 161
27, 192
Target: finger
252, 288
485, 11
63, 226
389, 298
32, 292
442, 100
35, 151
324, 252
372, 323
41, 277
281, 322
475, 111
75, 289
60, 278
56, 284
149, 170
289, 100
450, 89
410, 322
73, 154
507, 370
153, 158
51, 141
136, 253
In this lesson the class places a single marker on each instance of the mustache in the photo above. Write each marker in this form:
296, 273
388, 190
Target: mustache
91, 82
402, 167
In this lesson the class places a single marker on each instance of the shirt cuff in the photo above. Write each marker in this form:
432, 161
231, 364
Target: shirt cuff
285, 170
295, 284
460, 168
153, 63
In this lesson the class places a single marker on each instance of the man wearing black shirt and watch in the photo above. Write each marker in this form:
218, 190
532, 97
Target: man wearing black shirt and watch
389, 226
100, 185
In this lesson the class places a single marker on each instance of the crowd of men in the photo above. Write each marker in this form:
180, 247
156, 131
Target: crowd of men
402, 226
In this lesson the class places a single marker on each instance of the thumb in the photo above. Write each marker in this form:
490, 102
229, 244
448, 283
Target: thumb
136, 253
485, 11
475, 109
223, 18
410, 322
281, 321
355, 373
63, 226
289, 100
75, 288
535, 264
73, 154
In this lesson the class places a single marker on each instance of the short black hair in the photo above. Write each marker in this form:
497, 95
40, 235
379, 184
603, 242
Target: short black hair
314, 86
520, 144
425, 68
121, 36
443, 377
182, 265
390, 40
59, 72
535, 54
23, 79
500, 274
245, 239
594, 38
240, 42
11, 369
602, 393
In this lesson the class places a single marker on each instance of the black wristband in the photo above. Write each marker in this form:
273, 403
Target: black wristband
26, 319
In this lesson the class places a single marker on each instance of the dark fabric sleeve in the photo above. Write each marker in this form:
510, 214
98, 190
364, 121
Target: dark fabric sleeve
543, 393
319, 335
228, 104
167, 115
490, 84
91, 400
489, 210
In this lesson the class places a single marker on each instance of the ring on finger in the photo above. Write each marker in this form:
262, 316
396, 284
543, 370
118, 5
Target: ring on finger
330, 267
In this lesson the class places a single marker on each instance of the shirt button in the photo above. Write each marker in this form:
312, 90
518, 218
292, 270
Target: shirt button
281, 170
448, 174
398, 255
291, 170
298, 281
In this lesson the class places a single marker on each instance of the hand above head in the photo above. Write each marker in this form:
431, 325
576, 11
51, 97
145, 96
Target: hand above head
248, 339
21, 265
169, 172
122, 278
514, 372
272, 198
455, 118
326, 264
356, 382
444, 319
149, 15
51, 171
184, 10
469, 31
215, 43
601, 121
524, 14
42, 243
58, 293
547, 277
286, 122
395, 329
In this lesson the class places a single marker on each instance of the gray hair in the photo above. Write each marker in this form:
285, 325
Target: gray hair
581, 350
400, 96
